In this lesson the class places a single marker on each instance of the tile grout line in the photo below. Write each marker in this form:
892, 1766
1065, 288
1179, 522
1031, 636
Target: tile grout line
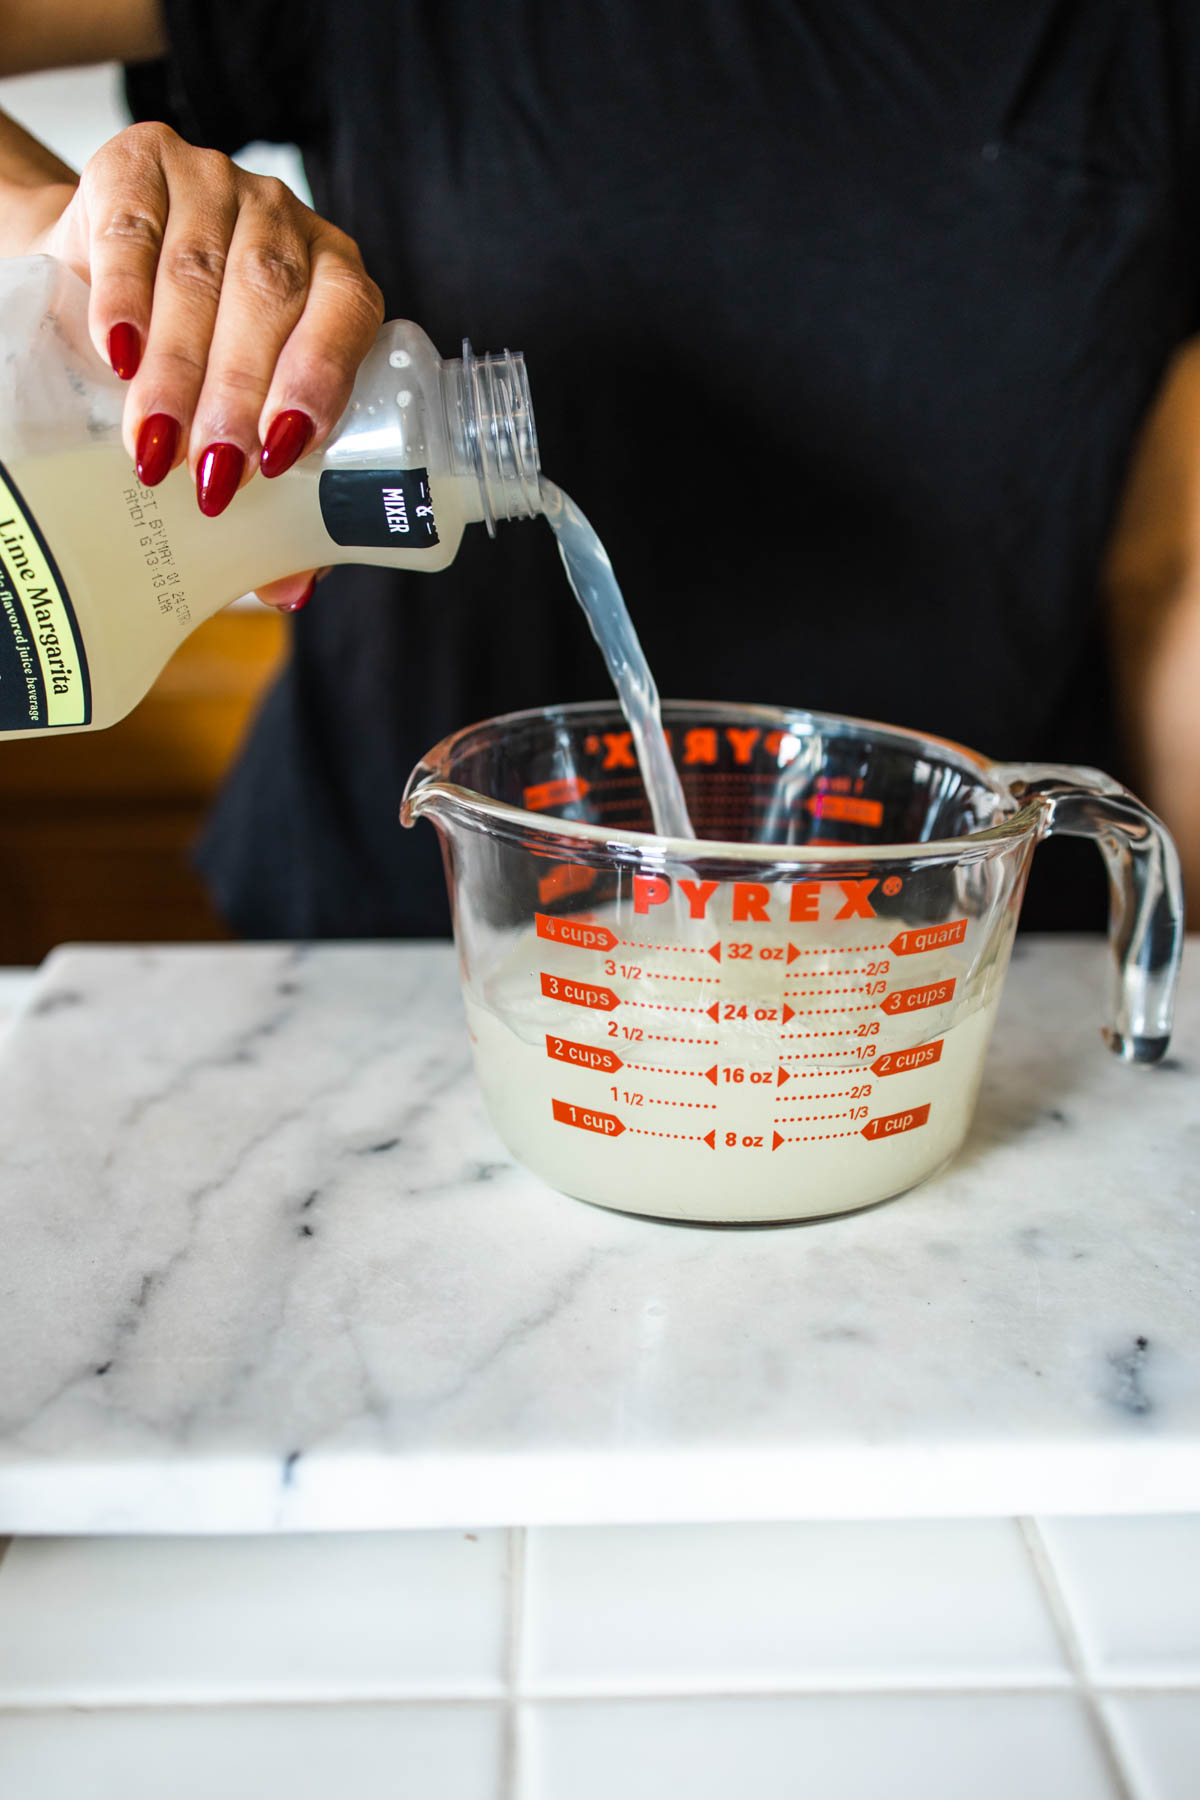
1063, 1622
74, 1699
30, 1705
513, 1661
823, 1688
267, 1701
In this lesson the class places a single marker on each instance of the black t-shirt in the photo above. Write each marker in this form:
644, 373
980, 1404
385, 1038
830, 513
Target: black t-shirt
840, 316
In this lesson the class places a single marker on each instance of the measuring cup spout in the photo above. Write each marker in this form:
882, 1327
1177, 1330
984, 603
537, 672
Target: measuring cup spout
1146, 919
424, 794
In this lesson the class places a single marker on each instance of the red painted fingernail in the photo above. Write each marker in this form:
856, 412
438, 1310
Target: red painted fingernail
157, 442
217, 477
295, 605
287, 440
125, 350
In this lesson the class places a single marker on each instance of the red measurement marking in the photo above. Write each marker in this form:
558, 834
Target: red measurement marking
817, 1137
578, 993
570, 931
695, 1105
892, 1124
584, 1056
707, 1012
915, 999
713, 950
826, 1094
586, 1118
703, 980
622, 803
832, 950
825, 993
842, 1031
812, 1012
929, 937
665, 1069
688, 1137
902, 1062
556, 793
567, 878
846, 808
658, 1037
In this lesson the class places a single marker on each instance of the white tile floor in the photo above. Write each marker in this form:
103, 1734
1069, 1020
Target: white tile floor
990, 1658
261, 1753
1133, 1587
854, 1746
144, 1621
671, 1608
1158, 1740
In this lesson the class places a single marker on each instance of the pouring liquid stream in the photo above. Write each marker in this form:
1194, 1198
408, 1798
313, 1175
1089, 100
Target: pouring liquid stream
594, 585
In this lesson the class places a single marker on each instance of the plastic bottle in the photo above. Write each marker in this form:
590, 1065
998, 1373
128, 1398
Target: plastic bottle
101, 578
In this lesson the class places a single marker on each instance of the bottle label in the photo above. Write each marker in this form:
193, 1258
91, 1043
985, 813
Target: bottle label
378, 509
43, 668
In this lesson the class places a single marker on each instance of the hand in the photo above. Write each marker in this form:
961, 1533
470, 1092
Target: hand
238, 316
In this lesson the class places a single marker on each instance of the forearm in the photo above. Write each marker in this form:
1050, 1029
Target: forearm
63, 34
1159, 688
35, 188
1152, 585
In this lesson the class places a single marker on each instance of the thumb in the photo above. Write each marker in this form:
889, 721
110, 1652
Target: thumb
290, 593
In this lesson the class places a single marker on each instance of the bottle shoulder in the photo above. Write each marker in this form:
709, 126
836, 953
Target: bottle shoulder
396, 414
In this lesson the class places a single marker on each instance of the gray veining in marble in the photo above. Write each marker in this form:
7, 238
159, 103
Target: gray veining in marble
265, 1266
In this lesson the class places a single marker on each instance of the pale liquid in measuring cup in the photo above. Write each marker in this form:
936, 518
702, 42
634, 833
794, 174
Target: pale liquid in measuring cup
594, 585
707, 1127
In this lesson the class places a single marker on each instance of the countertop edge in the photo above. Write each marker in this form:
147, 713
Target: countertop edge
370, 1492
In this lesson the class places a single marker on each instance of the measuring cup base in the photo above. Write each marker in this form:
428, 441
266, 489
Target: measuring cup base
1137, 1049
720, 1214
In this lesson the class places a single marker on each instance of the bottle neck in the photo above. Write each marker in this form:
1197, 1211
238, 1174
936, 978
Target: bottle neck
489, 419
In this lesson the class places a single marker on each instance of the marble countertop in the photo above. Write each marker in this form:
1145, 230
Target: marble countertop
266, 1267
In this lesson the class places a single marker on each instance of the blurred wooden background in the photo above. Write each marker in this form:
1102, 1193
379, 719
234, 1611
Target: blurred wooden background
96, 829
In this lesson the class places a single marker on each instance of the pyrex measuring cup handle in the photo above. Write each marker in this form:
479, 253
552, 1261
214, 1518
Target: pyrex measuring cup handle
1145, 917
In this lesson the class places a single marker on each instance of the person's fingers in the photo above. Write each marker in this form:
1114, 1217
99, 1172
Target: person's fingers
263, 294
292, 592
237, 315
201, 214
316, 367
289, 594
122, 201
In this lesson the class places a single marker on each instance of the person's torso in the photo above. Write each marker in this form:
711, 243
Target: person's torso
840, 319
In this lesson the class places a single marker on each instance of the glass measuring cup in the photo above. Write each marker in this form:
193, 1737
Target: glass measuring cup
790, 1018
